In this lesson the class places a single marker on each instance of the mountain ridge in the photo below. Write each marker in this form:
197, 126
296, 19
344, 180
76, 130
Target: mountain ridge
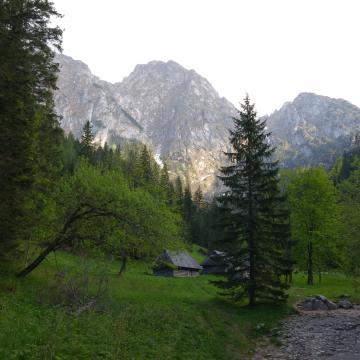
182, 118
175, 111
313, 129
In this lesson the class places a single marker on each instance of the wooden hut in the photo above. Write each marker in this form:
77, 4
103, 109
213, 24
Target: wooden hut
215, 263
176, 264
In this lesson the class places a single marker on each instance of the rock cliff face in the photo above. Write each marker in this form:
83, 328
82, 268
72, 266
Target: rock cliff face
173, 110
184, 121
313, 129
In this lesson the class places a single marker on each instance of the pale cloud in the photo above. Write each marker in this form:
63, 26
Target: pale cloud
272, 49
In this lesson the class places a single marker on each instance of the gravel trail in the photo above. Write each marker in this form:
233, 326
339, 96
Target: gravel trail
320, 335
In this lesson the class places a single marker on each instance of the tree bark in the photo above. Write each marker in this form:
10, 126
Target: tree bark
28, 269
56, 244
310, 279
83, 211
123, 263
252, 284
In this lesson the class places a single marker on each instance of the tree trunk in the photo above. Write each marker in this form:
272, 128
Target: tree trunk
288, 277
252, 283
28, 269
83, 211
310, 279
252, 294
123, 263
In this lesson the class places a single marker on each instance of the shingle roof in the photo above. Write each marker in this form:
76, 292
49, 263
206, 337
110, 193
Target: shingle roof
181, 259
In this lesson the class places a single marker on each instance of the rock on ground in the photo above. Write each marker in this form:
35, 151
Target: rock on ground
331, 335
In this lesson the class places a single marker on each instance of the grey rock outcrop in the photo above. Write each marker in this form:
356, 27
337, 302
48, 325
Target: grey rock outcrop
313, 129
173, 110
345, 304
181, 117
316, 303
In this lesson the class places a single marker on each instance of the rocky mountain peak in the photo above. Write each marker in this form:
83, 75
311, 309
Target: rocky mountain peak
313, 129
185, 122
166, 76
173, 110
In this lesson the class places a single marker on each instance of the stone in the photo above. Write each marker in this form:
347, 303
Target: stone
319, 302
310, 126
329, 335
331, 305
322, 298
345, 304
314, 304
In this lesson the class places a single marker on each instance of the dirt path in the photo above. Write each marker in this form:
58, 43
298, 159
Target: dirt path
331, 335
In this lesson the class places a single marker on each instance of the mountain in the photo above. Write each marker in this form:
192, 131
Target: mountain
313, 129
173, 110
181, 117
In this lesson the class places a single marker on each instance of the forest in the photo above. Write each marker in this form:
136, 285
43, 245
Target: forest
82, 225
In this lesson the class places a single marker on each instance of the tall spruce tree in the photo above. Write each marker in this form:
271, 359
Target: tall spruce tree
188, 213
179, 194
199, 198
147, 173
87, 141
166, 185
30, 135
255, 220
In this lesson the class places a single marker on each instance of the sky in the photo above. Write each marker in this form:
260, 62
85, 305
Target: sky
271, 49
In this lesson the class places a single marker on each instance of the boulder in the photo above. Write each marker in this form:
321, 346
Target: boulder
318, 302
330, 305
314, 304
345, 304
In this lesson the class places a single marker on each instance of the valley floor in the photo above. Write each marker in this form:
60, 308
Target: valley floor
141, 316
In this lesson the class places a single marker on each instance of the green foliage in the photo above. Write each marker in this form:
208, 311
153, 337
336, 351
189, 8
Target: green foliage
314, 220
255, 220
349, 202
29, 137
87, 148
97, 210
345, 164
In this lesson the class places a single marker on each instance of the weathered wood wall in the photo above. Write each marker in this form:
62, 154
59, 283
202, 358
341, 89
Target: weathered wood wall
176, 273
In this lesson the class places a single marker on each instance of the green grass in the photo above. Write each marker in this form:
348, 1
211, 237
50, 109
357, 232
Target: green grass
333, 286
142, 316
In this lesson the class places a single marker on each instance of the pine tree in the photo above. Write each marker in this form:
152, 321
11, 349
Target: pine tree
30, 134
199, 198
87, 141
166, 185
147, 174
188, 214
164, 177
188, 205
179, 194
198, 226
255, 220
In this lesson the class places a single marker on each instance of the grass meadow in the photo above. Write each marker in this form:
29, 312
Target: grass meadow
139, 316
